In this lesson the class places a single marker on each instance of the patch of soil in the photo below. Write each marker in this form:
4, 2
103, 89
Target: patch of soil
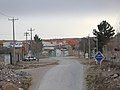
102, 77
14, 74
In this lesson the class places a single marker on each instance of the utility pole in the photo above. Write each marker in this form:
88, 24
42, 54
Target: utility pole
96, 44
79, 49
89, 47
31, 30
84, 47
13, 22
26, 35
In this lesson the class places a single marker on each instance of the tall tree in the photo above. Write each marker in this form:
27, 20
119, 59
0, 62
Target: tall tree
104, 34
37, 39
37, 46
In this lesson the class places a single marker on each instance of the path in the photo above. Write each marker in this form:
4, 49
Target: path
68, 75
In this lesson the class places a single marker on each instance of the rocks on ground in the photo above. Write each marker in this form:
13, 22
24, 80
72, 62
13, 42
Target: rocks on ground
104, 77
11, 76
11, 79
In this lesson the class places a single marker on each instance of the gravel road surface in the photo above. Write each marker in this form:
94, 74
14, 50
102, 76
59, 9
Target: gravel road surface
68, 75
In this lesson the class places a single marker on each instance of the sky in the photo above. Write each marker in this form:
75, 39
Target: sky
56, 18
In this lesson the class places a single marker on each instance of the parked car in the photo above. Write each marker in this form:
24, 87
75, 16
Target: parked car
30, 58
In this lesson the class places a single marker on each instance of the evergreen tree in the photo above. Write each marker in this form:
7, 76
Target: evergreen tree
37, 39
37, 46
104, 34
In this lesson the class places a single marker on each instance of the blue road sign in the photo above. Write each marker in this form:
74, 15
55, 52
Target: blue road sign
99, 57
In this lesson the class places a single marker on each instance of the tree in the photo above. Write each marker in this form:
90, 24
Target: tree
37, 46
104, 34
37, 39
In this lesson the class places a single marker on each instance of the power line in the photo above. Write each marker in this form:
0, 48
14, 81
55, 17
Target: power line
3, 14
4, 34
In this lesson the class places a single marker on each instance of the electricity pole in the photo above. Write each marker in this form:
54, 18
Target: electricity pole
89, 47
84, 47
26, 35
13, 22
31, 30
96, 44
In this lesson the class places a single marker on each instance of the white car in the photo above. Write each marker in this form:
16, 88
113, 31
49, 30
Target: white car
30, 58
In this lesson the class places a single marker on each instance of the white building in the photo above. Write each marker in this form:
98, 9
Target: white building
10, 44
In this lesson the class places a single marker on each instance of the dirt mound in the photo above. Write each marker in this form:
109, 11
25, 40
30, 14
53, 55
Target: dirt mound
102, 77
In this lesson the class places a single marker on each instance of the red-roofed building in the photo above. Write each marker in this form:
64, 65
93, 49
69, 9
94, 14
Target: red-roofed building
62, 46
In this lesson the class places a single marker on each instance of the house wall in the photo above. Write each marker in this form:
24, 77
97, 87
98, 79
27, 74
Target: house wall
58, 53
7, 59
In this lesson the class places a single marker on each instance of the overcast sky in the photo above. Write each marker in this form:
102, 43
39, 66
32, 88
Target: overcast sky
57, 18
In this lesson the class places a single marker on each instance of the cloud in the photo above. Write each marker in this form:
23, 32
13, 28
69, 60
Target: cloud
57, 18
58, 6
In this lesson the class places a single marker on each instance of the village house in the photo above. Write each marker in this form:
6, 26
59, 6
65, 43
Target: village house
60, 47
7, 51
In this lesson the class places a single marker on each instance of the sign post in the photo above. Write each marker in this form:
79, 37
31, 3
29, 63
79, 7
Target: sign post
99, 57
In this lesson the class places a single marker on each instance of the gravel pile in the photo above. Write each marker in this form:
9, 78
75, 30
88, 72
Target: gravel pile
18, 78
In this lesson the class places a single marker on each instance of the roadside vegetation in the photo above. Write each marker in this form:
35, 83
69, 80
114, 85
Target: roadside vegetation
102, 77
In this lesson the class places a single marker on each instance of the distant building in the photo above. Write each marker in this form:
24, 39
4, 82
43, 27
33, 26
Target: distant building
18, 48
60, 47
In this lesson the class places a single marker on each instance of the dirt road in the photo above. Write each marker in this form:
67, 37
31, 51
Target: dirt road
38, 73
68, 75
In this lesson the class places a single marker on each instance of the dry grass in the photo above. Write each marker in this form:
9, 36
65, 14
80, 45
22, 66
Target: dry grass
104, 77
